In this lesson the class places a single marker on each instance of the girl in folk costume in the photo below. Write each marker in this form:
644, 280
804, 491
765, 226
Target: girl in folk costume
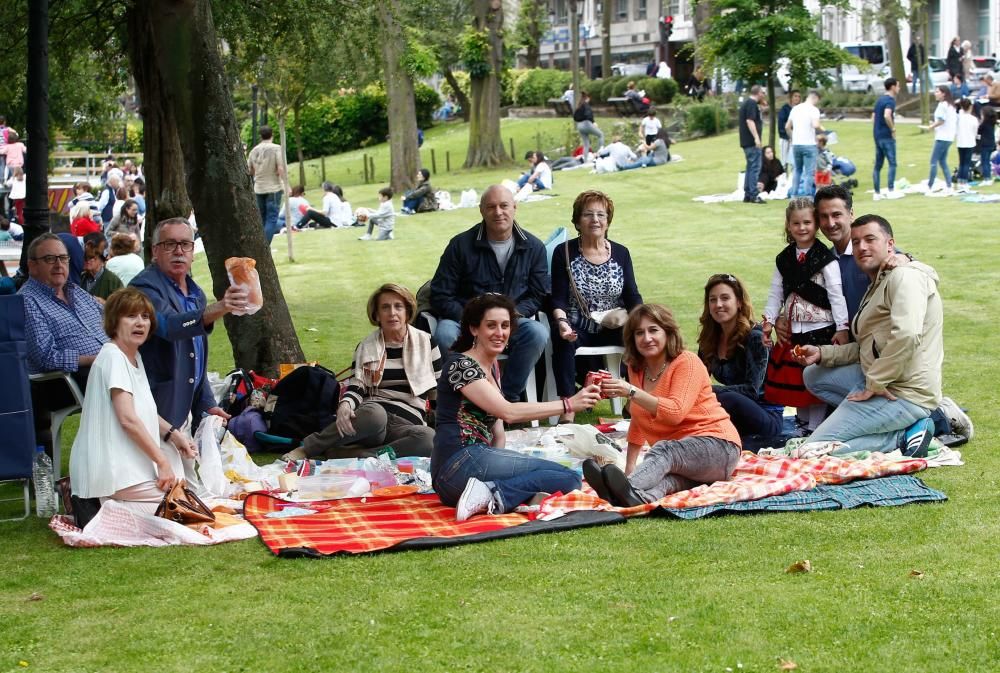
806, 288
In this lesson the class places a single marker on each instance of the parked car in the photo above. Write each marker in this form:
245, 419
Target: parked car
864, 79
628, 69
981, 65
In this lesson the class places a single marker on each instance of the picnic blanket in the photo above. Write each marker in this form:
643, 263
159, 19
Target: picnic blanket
364, 525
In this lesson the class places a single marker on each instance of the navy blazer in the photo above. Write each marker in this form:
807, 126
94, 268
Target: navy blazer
168, 355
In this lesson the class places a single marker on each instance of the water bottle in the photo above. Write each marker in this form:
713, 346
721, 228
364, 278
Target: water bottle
41, 475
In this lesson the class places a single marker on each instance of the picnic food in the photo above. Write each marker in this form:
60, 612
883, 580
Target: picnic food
242, 273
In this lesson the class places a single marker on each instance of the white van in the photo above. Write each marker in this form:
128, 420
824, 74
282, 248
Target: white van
865, 79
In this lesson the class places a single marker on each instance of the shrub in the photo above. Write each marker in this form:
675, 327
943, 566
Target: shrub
613, 87
660, 91
427, 101
706, 119
538, 85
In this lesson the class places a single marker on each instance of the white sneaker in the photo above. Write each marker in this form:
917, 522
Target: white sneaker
986, 183
477, 498
962, 188
366, 237
947, 191
893, 194
877, 196
961, 424
391, 236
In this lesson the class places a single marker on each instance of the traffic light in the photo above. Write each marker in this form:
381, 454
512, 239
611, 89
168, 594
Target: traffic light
666, 27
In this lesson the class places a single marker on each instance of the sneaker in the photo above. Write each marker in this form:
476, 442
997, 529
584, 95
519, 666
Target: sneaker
917, 438
477, 498
893, 194
366, 237
877, 196
961, 424
391, 236
986, 183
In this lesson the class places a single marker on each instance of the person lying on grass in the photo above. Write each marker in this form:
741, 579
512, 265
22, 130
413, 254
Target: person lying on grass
674, 410
470, 468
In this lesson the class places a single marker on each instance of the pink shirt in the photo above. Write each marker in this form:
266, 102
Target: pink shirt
15, 154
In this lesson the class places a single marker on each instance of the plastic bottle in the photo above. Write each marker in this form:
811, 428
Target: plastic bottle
41, 475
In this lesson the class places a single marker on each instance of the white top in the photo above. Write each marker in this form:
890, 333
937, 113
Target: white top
967, 128
803, 316
104, 460
544, 174
804, 118
126, 267
337, 210
298, 206
946, 113
18, 188
650, 125
620, 152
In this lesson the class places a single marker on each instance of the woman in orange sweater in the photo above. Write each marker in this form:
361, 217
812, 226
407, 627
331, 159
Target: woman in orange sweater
674, 410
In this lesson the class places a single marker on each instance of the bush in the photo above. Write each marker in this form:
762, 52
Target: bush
706, 119
538, 85
427, 101
660, 91
613, 87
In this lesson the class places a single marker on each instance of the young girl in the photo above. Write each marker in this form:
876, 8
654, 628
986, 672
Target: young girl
14, 151
944, 134
965, 140
650, 126
18, 190
987, 143
806, 287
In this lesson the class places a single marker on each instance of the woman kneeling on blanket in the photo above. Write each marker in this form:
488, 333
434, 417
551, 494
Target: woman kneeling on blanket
471, 470
673, 409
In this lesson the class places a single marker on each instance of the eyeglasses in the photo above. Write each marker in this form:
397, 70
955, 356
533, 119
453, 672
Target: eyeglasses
594, 215
186, 246
52, 259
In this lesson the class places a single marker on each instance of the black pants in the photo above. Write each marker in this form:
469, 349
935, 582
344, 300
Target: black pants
315, 216
49, 396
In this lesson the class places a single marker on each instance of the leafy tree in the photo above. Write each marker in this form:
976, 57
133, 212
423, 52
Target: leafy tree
529, 29
483, 55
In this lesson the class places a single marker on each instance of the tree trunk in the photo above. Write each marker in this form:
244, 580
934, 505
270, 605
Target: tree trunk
605, 38
463, 100
891, 12
485, 144
283, 137
180, 76
298, 147
404, 155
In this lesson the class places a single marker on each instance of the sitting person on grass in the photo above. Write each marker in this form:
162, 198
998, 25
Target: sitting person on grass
674, 410
538, 175
471, 470
336, 211
384, 217
421, 198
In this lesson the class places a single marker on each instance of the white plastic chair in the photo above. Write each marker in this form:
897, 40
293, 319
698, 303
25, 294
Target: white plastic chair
58, 416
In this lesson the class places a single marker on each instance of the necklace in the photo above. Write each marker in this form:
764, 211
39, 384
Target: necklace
654, 379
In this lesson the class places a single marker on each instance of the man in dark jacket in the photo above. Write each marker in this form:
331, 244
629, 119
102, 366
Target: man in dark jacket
496, 255
794, 98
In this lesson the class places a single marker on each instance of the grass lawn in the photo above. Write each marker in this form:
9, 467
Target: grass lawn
652, 595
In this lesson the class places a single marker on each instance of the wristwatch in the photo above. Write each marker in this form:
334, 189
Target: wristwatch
632, 390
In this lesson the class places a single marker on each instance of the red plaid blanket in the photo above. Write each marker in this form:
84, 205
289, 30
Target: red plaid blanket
755, 477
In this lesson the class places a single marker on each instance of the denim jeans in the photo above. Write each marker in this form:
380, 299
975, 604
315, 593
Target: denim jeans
804, 180
514, 477
268, 205
412, 203
523, 351
885, 150
753, 157
939, 155
588, 129
965, 163
674, 465
985, 166
748, 416
876, 424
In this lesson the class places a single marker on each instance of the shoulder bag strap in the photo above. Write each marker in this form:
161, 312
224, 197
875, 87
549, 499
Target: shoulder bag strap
572, 284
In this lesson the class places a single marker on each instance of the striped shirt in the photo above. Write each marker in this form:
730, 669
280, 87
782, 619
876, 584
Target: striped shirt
393, 392
59, 332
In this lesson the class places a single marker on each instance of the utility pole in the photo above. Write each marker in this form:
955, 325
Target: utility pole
574, 54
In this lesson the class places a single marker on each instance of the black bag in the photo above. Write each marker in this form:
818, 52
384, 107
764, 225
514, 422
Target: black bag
237, 393
303, 402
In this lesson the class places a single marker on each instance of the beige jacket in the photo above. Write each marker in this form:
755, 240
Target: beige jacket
898, 336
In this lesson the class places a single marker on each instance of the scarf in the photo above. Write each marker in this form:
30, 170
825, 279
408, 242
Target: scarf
369, 361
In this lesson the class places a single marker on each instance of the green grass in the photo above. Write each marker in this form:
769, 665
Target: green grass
649, 595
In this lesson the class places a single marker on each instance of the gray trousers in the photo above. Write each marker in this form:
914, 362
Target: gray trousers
674, 465
373, 429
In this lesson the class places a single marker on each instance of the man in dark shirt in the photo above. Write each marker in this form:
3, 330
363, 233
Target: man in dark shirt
794, 98
750, 129
884, 130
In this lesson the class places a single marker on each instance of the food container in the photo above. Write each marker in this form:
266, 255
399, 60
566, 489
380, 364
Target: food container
326, 486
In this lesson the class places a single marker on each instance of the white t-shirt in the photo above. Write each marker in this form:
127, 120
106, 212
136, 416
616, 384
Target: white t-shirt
337, 210
804, 119
650, 125
946, 113
967, 128
126, 267
544, 175
104, 459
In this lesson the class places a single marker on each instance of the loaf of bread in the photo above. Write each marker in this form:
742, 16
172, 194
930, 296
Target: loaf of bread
243, 273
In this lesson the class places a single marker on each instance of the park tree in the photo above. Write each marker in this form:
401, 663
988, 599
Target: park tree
605, 39
529, 29
749, 38
483, 54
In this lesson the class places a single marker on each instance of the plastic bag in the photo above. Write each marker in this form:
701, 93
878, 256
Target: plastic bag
470, 199
588, 442
242, 273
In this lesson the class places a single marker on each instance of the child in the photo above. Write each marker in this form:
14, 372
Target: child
14, 151
987, 143
18, 190
650, 126
806, 287
384, 217
5, 234
83, 204
824, 162
965, 141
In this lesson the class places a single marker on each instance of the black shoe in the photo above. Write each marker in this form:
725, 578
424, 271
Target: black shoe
758, 200
592, 473
622, 493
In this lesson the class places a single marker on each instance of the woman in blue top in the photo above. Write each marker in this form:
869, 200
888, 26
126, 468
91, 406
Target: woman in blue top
471, 470
589, 273
732, 348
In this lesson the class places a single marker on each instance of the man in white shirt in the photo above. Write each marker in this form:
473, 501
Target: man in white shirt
802, 125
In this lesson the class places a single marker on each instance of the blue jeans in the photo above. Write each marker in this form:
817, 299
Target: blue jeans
804, 180
748, 416
939, 155
965, 163
268, 205
514, 477
641, 163
412, 203
876, 424
885, 150
753, 156
985, 153
523, 351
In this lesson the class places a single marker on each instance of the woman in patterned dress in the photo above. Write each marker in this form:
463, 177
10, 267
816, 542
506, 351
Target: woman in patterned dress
471, 470
601, 272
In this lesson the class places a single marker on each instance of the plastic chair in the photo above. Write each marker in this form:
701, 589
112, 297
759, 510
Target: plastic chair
58, 416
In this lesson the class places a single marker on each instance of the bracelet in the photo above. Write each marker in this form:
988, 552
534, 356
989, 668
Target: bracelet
567, 407
171, 431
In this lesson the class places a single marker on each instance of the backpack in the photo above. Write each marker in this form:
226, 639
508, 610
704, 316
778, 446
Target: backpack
238, 388
303, 402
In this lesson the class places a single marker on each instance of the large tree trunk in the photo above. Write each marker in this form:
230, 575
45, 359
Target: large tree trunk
404, 155
605, 38
891, 12
180, 58
463, 100
485, 144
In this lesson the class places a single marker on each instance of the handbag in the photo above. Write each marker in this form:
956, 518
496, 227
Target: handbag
593, 322
182, 506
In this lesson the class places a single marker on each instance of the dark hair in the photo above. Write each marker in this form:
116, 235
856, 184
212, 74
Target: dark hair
124, 302
711, 331
140, 185
338, 191
298, 190
4, 223
473, 315
883, 223
92, 244
890, 82
660, 315
965, 104
989, 114
946, 92
83, 185
797, 203
426, 173
831, 192
588, 196
793, 92
265, 132
386, 192
395, 288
